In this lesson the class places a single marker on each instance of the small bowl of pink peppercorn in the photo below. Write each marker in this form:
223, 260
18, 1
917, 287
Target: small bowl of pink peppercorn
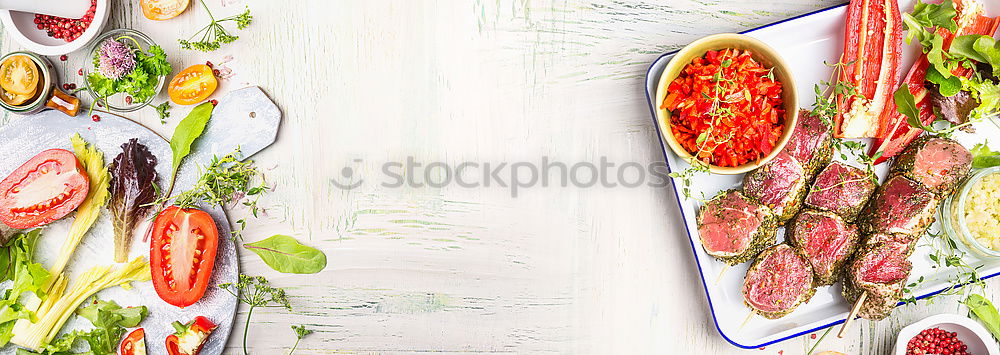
53, 35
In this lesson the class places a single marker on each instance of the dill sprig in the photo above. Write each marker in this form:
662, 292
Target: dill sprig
256, 291
214, 35
300, 332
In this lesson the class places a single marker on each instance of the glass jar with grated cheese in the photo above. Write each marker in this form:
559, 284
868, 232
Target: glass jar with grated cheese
972, 215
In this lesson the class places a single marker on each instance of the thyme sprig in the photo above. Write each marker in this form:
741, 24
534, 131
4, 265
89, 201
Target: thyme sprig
826, 109
224, 181
945, 254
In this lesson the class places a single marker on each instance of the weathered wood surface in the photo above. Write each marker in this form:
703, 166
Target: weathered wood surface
463, 270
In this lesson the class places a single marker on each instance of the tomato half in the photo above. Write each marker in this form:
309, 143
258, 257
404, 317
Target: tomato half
134, 343
19, 75
160, 10
182, 254
44, 189
192, 85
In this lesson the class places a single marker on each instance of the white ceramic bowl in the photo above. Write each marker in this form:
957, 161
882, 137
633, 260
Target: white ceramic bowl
969, 331
21, 26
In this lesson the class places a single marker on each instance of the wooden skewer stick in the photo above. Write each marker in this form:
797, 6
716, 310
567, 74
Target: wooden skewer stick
725, 267
747, 319
854, 314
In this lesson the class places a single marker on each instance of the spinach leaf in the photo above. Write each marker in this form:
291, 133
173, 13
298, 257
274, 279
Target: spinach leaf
187, 131
986, 312
285, 254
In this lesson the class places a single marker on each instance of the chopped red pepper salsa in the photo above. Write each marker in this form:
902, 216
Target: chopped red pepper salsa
726, 109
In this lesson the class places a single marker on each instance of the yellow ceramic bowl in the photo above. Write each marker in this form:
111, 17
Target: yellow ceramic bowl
763, 54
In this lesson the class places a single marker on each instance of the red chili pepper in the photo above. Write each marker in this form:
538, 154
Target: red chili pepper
898, 133
871, 64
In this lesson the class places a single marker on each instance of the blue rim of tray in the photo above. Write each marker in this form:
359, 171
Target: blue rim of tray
694, 248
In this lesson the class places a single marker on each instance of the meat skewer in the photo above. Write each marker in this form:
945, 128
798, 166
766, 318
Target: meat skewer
895, 218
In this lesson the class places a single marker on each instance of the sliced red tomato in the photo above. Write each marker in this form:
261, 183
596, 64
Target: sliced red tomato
134, 343
192, 85
194, 333
182, 254
160, 10
44, 189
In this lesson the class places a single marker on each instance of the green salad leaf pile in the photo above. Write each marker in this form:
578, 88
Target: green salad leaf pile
141, 83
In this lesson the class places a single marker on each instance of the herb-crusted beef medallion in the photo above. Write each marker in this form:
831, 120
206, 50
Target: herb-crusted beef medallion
734, 228
780, 185
825, 240
841, 189
900, 206
811, 143
937, 163
778, 281
880, 270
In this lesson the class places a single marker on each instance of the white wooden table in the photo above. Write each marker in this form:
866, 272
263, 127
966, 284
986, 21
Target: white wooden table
462, 270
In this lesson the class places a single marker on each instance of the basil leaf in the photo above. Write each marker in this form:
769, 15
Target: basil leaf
284, 254
187, 131
905, 104
986, 312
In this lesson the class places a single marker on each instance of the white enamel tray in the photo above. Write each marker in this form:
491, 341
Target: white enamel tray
806, 42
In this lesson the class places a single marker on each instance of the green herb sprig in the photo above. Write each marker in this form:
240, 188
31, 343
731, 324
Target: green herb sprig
945, 254
256, 291
300, 332
224, 181
214, 35
163, 110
